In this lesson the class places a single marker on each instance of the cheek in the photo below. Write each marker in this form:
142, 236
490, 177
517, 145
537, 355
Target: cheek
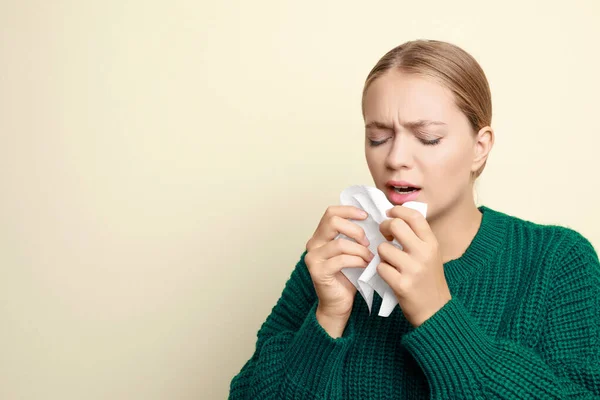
374, 161
448, 165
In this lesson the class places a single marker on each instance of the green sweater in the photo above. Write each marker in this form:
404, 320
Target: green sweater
523, 323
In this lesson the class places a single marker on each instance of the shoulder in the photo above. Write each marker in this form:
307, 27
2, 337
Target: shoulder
554, 241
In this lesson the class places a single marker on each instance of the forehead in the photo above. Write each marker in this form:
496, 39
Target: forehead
398, 96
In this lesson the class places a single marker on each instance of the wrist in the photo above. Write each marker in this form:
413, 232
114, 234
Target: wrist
333, 324
418, 321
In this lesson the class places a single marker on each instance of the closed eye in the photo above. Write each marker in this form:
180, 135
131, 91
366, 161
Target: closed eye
375, 143
430, 142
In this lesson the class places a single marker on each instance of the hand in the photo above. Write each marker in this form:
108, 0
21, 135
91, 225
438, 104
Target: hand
415, 273
325, 259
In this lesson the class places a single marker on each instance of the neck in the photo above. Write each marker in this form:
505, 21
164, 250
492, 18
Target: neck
456, 228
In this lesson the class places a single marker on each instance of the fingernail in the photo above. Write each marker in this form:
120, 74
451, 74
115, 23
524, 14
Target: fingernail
364, 214
387, 213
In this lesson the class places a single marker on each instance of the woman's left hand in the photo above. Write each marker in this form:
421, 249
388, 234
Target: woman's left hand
415, 273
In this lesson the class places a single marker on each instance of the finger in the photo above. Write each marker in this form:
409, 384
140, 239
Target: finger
395, 257
417, 222
343, 246
390, 275
337, 263
325, 233
402, 232
337, 225
348, 212
322, 234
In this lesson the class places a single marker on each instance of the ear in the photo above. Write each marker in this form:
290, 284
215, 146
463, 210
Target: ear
484, 141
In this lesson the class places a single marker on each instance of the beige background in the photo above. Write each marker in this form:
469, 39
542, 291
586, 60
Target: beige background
164, 163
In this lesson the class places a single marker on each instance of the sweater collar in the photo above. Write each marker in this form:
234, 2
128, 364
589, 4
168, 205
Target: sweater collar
484, 247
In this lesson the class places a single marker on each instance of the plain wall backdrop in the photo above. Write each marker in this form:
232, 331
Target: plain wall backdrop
162, 165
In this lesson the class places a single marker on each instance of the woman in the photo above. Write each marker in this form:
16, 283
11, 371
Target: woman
490, 305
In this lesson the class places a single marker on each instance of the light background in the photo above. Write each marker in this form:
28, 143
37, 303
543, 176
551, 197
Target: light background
162, 165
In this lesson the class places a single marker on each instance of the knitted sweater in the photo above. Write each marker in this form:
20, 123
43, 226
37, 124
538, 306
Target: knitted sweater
523, 323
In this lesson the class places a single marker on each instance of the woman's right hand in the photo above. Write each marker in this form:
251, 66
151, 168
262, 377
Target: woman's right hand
325, 258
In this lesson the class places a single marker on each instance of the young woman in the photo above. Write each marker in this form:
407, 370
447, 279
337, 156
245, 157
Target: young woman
490, 305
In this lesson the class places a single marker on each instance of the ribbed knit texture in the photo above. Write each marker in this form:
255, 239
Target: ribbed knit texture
523, 323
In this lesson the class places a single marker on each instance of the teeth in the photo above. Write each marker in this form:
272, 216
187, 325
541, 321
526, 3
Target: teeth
404, 189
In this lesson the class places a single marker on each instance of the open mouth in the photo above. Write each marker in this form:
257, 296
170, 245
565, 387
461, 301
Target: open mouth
405, 189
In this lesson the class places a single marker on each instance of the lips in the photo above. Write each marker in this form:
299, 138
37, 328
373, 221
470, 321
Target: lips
400, 192
404, 189
402, 185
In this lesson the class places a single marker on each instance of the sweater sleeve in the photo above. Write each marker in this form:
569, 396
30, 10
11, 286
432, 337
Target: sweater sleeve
295, 358
462, 361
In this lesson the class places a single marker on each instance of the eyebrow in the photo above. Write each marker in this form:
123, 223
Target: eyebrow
421, 123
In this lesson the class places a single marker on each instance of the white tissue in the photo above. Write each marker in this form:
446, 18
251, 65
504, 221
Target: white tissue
367, 280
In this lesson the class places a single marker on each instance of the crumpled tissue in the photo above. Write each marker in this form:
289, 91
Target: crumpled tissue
367, 280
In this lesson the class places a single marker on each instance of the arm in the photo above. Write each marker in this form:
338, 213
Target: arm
294, 357
462, 361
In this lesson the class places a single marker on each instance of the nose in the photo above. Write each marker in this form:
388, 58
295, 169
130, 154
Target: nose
401, 153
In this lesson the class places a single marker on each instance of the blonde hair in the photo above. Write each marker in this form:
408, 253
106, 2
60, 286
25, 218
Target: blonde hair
450, 66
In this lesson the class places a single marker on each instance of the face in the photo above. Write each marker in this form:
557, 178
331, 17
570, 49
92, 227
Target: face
416, 136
